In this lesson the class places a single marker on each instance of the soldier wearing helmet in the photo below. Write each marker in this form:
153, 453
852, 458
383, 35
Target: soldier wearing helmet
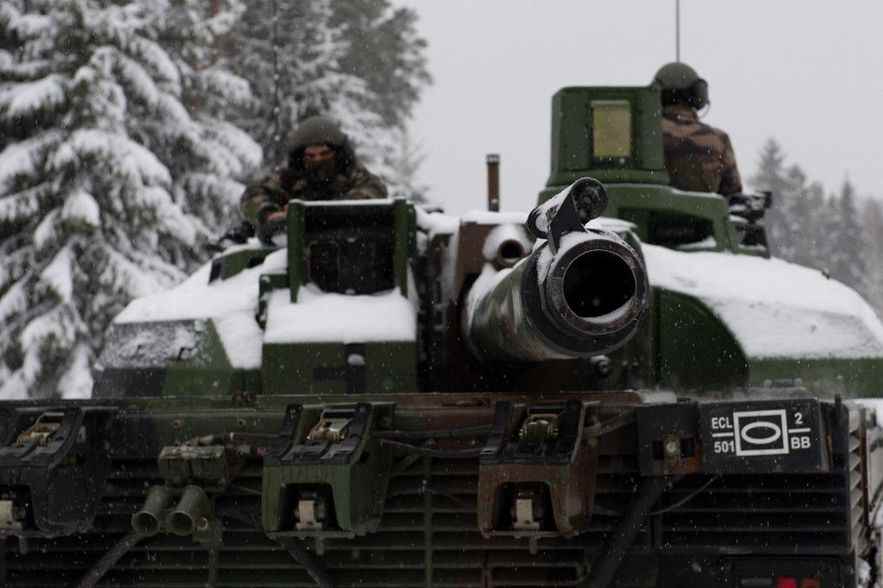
322, 165
698, 157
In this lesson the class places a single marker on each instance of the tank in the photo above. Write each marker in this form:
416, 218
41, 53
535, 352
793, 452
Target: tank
620, 388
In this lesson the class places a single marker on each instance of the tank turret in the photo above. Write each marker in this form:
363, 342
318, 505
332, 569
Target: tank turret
347, 303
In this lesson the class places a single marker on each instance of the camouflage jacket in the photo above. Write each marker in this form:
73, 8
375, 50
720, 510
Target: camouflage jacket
698, 157
273, 192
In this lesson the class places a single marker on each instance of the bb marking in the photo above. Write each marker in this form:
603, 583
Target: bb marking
759, 433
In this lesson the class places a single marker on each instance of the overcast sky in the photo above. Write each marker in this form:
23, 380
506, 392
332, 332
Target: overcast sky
807, 72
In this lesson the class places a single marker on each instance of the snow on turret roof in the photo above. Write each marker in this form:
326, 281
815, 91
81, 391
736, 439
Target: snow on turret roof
196, 298
316, 317
322, 317
772, 307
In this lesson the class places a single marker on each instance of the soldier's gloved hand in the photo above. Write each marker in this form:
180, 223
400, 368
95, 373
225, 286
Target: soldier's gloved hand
748, 206
272, 224
737, 203
235, 235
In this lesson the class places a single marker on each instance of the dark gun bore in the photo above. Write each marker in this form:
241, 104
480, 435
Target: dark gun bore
597, 284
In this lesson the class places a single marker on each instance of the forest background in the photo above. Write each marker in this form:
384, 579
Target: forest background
128, 129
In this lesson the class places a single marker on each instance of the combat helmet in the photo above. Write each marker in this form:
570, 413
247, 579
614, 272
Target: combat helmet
680, 84
319, 130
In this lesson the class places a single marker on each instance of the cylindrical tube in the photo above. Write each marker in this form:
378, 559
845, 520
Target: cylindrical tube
493, 182
147, 520
191, 513
584, 300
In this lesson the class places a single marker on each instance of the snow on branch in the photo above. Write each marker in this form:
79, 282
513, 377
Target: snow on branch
58, 275
47, 231
54, 325
81, 207
25, 204
212, 186
131, 159
173, 113
22, 158
14, 301
132, 74
26, 98
238, 142
172, 220
137, 279
163, 66
26, 26
234, 89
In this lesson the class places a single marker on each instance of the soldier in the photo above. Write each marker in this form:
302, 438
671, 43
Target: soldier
698, 157
322, 165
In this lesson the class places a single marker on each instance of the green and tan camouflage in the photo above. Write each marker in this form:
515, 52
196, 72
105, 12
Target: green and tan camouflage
698, 156
352, 181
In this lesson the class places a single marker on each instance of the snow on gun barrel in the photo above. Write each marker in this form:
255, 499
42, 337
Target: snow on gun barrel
580, 293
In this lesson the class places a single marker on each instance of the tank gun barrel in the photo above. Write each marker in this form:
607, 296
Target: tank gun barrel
580, 293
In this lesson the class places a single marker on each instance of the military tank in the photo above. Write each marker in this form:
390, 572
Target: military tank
620, 388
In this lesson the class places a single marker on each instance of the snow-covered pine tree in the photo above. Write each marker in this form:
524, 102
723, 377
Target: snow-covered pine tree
387, 52
405, 168
299, 57
208, 155
801, 218
771, 175
872, 215
844, 236
789, 214
813, 232
290, 54
92, 213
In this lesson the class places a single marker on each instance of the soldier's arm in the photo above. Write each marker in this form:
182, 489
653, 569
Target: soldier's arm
365, 185
731, 181
261, 199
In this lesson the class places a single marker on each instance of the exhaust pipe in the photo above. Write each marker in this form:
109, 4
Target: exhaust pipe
493, 182
191, 514
147, 520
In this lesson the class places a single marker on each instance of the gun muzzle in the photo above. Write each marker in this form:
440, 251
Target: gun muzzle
580, 293
593, 290
586, 299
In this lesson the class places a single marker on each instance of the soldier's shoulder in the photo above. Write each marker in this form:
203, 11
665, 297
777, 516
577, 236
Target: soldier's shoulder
267, 176
368, 185
359, 169
359, 173
703, 129
718, 132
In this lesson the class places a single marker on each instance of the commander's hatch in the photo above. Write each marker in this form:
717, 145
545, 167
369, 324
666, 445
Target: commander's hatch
350, 246
343, 318
609, 133
614, 134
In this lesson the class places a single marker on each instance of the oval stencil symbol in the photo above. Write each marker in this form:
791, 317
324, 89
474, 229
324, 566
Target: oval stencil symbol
774, 436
